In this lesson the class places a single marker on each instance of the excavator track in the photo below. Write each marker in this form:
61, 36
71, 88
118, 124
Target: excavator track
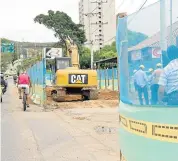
93, 95
90, 94
59, 95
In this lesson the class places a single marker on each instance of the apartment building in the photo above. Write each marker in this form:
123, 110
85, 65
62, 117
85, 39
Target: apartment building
99, 20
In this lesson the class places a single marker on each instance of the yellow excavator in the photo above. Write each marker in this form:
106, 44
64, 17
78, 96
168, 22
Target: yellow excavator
70, 79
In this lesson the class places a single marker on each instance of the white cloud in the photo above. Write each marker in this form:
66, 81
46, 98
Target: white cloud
17, 18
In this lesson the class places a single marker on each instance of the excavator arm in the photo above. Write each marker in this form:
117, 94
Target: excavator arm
72, 52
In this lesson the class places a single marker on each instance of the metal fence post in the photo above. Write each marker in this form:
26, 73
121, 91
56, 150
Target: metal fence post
44, 80
105, 78
108, 76
112, 78
99, 79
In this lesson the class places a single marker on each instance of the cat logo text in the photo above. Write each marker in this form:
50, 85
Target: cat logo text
78, 78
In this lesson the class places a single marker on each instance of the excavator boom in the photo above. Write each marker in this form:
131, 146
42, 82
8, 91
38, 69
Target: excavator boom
72, 52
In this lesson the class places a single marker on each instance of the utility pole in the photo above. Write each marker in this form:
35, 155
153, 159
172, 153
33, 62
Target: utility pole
163, 28
90, 36
171, 34
163, 25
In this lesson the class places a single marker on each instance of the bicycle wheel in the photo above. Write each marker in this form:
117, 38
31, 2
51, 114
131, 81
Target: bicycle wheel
24, 102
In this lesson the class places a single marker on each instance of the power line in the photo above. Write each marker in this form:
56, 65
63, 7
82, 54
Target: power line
95, 31
109, 39
109, 7
141, 7
120, 5
138, 11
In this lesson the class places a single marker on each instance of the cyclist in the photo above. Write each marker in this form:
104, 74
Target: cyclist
24, 81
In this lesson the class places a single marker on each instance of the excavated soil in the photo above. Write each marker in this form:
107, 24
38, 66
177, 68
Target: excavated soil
107, 99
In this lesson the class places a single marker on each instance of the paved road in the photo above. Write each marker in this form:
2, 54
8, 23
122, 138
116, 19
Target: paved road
36, 135
27, 136
15, 146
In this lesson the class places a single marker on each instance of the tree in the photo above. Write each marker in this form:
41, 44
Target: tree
6, 59
63, 26
85, 58
108, 51
135, 38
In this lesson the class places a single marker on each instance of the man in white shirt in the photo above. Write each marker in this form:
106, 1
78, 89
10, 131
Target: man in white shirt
140, 78
169, 78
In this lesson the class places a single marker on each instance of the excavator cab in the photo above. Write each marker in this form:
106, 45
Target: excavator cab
62, 63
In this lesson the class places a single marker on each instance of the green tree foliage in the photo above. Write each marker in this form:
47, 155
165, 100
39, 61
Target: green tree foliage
7, 58
27, 63
63, 26
4, 40
108, 51
85, 58
135, 38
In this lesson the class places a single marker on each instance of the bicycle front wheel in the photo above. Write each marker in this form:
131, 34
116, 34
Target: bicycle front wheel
24, 102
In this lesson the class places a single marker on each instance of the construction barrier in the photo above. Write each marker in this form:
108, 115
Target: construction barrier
108, 79
37, 76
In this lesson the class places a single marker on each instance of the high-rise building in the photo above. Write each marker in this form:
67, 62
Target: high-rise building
100, 28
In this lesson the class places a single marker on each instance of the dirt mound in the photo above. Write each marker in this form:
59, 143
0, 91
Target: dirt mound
107, 99
104, 94
84, 104
108, 95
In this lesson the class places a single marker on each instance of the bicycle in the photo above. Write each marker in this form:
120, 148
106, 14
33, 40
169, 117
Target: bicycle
24, 98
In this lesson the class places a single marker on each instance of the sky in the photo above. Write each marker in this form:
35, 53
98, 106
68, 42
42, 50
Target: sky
16, 16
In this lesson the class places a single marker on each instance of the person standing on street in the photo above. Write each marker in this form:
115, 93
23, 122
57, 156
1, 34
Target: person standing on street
155, 86
169, 78
24, 81
150, 76
135, 83
141, 79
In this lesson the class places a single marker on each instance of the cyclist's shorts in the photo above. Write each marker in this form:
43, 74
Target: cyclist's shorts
20, 86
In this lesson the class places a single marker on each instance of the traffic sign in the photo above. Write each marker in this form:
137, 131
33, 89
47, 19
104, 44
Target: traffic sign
7, 47
52, 53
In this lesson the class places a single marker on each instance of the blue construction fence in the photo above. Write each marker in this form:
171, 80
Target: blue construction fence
49, 78
37, 75
108, 79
